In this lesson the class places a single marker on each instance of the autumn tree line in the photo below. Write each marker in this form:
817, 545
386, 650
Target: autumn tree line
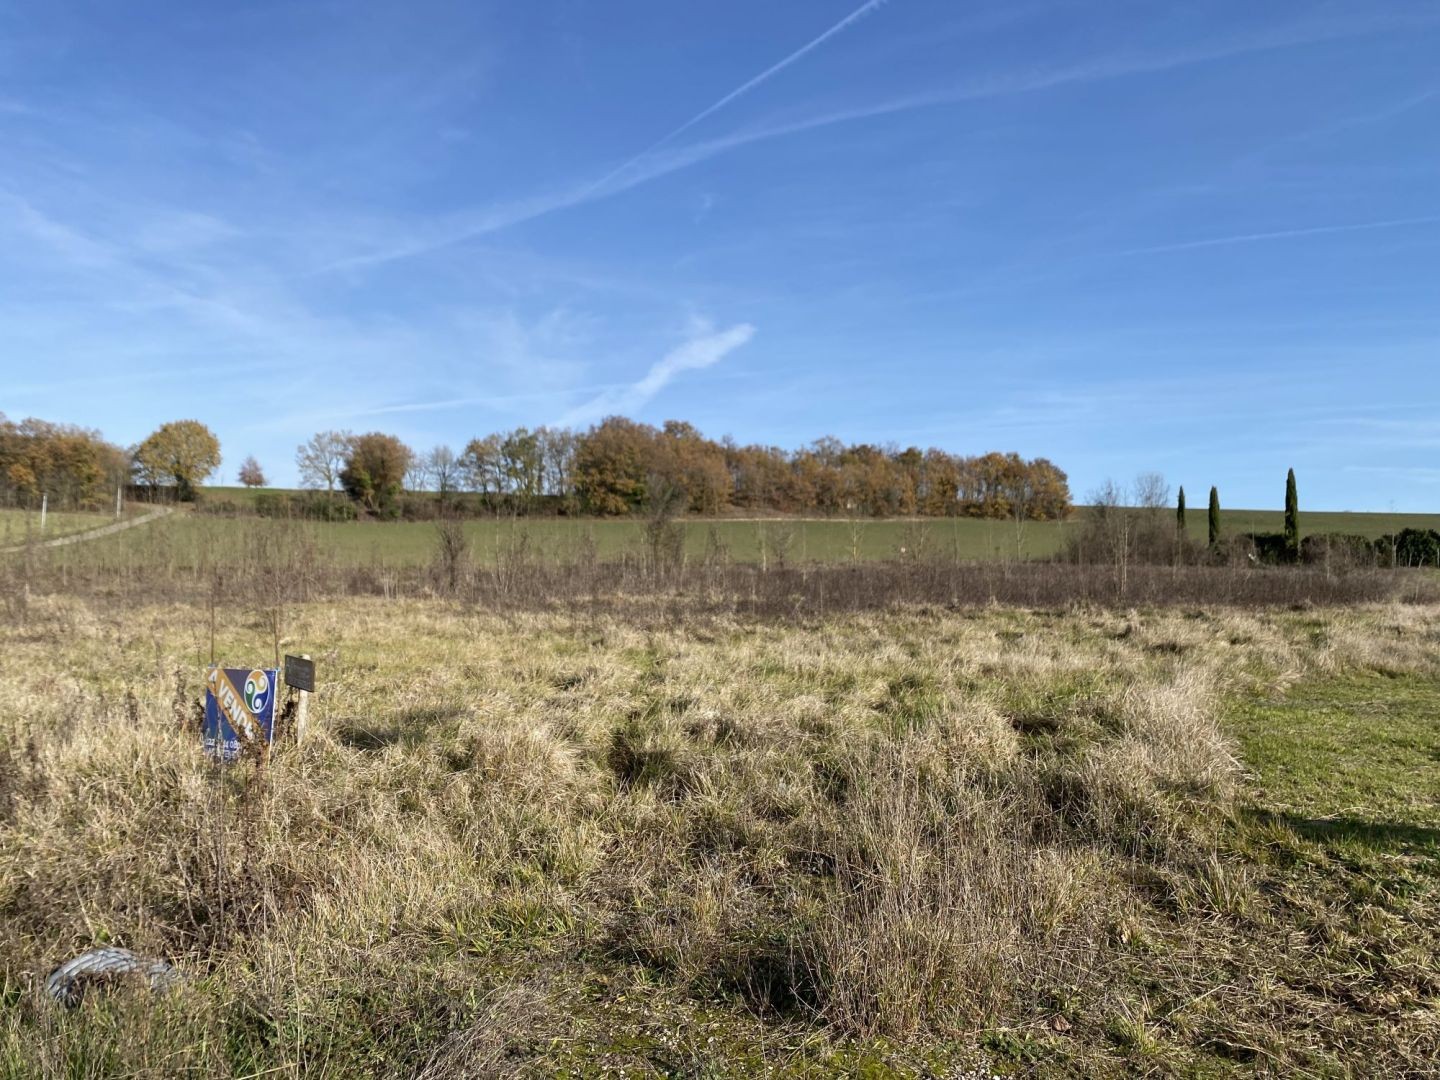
617, 467
621, 467
74, 466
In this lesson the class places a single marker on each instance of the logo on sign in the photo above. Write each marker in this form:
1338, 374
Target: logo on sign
257, 692
239, 709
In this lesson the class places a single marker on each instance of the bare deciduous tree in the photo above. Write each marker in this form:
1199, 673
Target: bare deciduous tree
443, 470
1113, 526
1151, 491
557, 451
322, 459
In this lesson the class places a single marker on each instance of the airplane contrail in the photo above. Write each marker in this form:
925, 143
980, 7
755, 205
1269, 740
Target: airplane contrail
1282, 234
775, 69
744, 88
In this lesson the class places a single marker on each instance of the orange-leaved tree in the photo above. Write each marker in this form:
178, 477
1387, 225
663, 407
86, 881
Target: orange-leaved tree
375, 468
182, 452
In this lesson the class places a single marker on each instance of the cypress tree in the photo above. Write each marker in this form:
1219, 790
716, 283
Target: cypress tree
1180, 512
1292, 519
1214, 516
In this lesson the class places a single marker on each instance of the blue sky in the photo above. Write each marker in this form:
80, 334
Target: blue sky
1202, 239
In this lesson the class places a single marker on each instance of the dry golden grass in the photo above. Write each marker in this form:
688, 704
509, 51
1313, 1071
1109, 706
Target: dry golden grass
548, 842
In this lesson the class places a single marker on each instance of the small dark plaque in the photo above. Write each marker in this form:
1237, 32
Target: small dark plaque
300, 673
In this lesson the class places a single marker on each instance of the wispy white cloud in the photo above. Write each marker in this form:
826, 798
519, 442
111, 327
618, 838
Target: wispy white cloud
490, 402
1110, 67
63, 241
703, 350
1280, 234
128, 270
121, 379
1125, 210
500, 362
181, 231
144, 291
1338, 125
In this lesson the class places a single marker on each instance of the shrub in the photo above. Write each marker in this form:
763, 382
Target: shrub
321, 507
452, 552
1269, 548
1135, 536
221, 507
310, 506
273, 504
1410, 547
416, 508
1339, 549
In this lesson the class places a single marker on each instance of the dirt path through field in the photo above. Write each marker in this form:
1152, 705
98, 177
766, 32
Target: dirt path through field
94, 534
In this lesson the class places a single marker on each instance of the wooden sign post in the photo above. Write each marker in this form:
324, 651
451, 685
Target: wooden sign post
300, 678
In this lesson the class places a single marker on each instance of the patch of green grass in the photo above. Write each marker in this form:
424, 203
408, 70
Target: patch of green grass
1327, 885
23, 526
1350, 762
770, 540
188, 537
1372, 525
247, 495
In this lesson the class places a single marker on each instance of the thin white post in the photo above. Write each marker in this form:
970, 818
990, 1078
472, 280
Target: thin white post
118, 489
44, 506
302, 711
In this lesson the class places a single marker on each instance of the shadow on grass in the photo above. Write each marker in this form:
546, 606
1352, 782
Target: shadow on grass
409, 727
359, 736
1383, 836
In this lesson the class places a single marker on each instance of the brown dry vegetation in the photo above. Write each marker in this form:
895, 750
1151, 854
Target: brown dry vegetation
613, 839
188, 559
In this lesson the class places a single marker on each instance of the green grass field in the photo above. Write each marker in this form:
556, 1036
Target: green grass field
743, 540
243, 494
22, 526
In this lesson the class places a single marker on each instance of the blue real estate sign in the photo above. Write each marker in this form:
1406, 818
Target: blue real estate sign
239, 709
